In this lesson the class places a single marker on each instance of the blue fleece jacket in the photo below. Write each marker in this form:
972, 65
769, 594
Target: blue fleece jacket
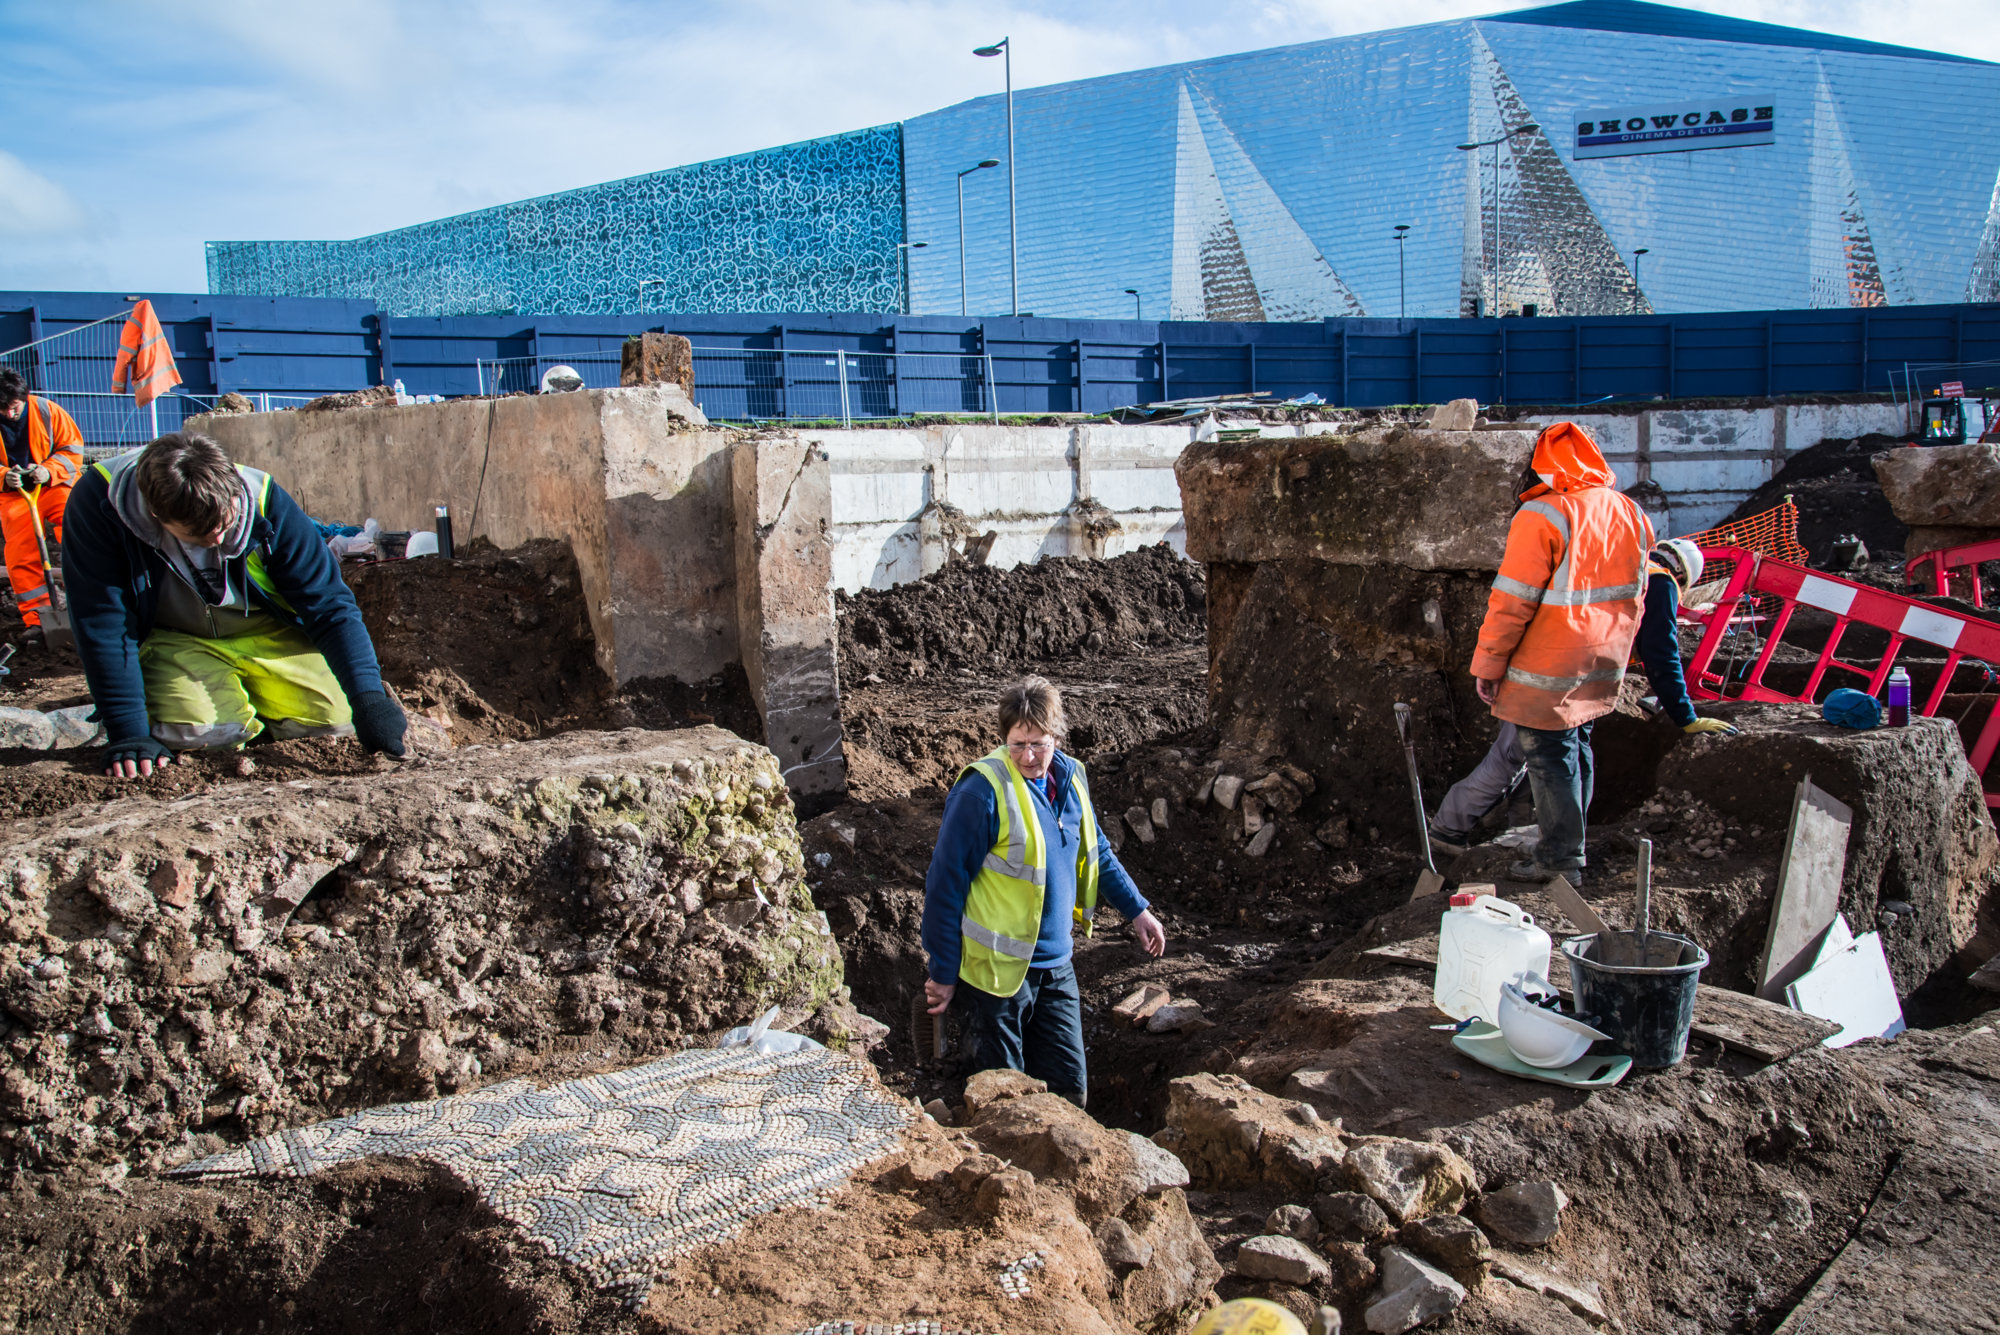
971, 824
113, 581
1660, 648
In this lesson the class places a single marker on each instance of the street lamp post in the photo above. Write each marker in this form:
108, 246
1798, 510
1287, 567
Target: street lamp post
1402, 289
981, 165
1005, 46
1138, 306
904, 248
1494, 144
1636, 293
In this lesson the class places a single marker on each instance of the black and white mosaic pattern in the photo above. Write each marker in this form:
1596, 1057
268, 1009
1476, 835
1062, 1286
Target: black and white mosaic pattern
619, 1173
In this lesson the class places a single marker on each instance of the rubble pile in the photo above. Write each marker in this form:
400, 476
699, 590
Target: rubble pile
176, 972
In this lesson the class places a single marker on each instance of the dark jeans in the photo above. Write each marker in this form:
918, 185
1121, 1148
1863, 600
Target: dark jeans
1038, 1030
1561, 771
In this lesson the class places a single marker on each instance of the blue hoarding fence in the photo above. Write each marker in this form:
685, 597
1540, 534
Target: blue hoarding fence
279, 350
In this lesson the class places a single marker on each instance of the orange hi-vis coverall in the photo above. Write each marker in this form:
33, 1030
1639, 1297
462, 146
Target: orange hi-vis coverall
1565, 610
54, 443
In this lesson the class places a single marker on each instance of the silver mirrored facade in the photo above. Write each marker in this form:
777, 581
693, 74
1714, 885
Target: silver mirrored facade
1266, 186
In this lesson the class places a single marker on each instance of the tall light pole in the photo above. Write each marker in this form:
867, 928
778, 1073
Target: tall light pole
1005, 47
1138, 306
1636, 293
904, 248
981, 165
1494, 144
1402, 290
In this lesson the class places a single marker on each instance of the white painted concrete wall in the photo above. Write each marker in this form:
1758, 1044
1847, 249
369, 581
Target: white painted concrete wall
1023, 482
1020, 483
1708, 460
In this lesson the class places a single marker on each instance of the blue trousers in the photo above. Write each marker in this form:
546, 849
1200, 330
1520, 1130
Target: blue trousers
1038, 1030
1560, 771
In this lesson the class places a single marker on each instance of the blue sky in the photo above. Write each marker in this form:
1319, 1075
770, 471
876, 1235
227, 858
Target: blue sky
136, 131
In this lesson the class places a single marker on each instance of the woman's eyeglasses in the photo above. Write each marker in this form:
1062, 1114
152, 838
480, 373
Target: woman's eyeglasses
1030, 748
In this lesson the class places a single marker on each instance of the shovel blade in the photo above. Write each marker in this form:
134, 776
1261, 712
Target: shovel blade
1428, 883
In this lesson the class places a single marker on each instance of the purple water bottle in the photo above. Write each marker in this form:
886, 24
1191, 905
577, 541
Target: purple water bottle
1899, 698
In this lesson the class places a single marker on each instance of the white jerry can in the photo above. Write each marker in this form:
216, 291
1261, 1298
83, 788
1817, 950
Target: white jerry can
1484, 942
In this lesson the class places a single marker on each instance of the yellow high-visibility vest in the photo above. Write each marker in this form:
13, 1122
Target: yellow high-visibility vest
1003, 914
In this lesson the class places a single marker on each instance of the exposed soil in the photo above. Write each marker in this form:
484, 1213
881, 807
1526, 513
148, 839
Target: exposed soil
1834, 486
1706, 1198
982, 619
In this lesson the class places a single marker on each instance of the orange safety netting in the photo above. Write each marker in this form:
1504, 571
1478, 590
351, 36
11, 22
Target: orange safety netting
1773, 532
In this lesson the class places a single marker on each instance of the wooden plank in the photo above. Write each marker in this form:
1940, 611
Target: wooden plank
1808, 888
1755, 1027
1573, 907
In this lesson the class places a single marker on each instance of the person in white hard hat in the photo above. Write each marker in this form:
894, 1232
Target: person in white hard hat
1673, 568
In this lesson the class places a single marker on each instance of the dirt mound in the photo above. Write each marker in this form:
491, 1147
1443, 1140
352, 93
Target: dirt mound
979, 618
1834, 486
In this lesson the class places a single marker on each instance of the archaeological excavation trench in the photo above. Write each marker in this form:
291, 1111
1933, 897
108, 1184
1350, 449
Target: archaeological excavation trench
298, 1039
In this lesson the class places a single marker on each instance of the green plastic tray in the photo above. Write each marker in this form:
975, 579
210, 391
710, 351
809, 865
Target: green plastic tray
1482, 1042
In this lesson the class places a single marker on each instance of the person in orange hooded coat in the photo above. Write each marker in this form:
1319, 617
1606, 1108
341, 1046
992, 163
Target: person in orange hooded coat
1558, 633
43, 459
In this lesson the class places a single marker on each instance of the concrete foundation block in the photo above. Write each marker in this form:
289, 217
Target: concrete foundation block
1955, 486
1424, 500
783, 492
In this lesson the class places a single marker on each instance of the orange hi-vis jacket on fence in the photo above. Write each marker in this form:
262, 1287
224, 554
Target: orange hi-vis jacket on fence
1565, 610
54, 443
144, 360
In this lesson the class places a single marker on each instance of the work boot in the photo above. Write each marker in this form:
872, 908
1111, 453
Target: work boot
1536, 874
32, 638
1451, 845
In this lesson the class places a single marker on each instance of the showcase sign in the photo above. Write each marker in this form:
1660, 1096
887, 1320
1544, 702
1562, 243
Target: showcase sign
1697, 123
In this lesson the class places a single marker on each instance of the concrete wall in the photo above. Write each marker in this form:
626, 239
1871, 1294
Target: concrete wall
1708, 460
632, 479
1030, 486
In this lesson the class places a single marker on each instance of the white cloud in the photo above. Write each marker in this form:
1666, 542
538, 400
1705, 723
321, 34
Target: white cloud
31, 205
343, 117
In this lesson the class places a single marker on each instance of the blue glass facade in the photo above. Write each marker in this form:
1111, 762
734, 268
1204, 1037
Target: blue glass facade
809, 226
1267, 186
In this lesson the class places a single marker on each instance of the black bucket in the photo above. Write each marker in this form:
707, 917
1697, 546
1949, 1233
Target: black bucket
1647, 1011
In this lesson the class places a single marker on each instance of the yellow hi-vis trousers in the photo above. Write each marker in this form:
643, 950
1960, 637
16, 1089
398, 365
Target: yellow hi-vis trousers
223, 692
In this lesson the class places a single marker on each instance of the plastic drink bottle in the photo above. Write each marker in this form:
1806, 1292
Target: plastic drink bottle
1899, 698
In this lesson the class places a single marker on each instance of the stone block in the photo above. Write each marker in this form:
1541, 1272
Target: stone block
1157, 1170
1956, 485
784, 597
1528, 1213
1410, 1178
1231, 1134
529, 895
1351, 1216
1425, 500
632, 479
658, 359
1286, 1260
1293, 1221
1453, 1241
28, 729
1412, 1293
